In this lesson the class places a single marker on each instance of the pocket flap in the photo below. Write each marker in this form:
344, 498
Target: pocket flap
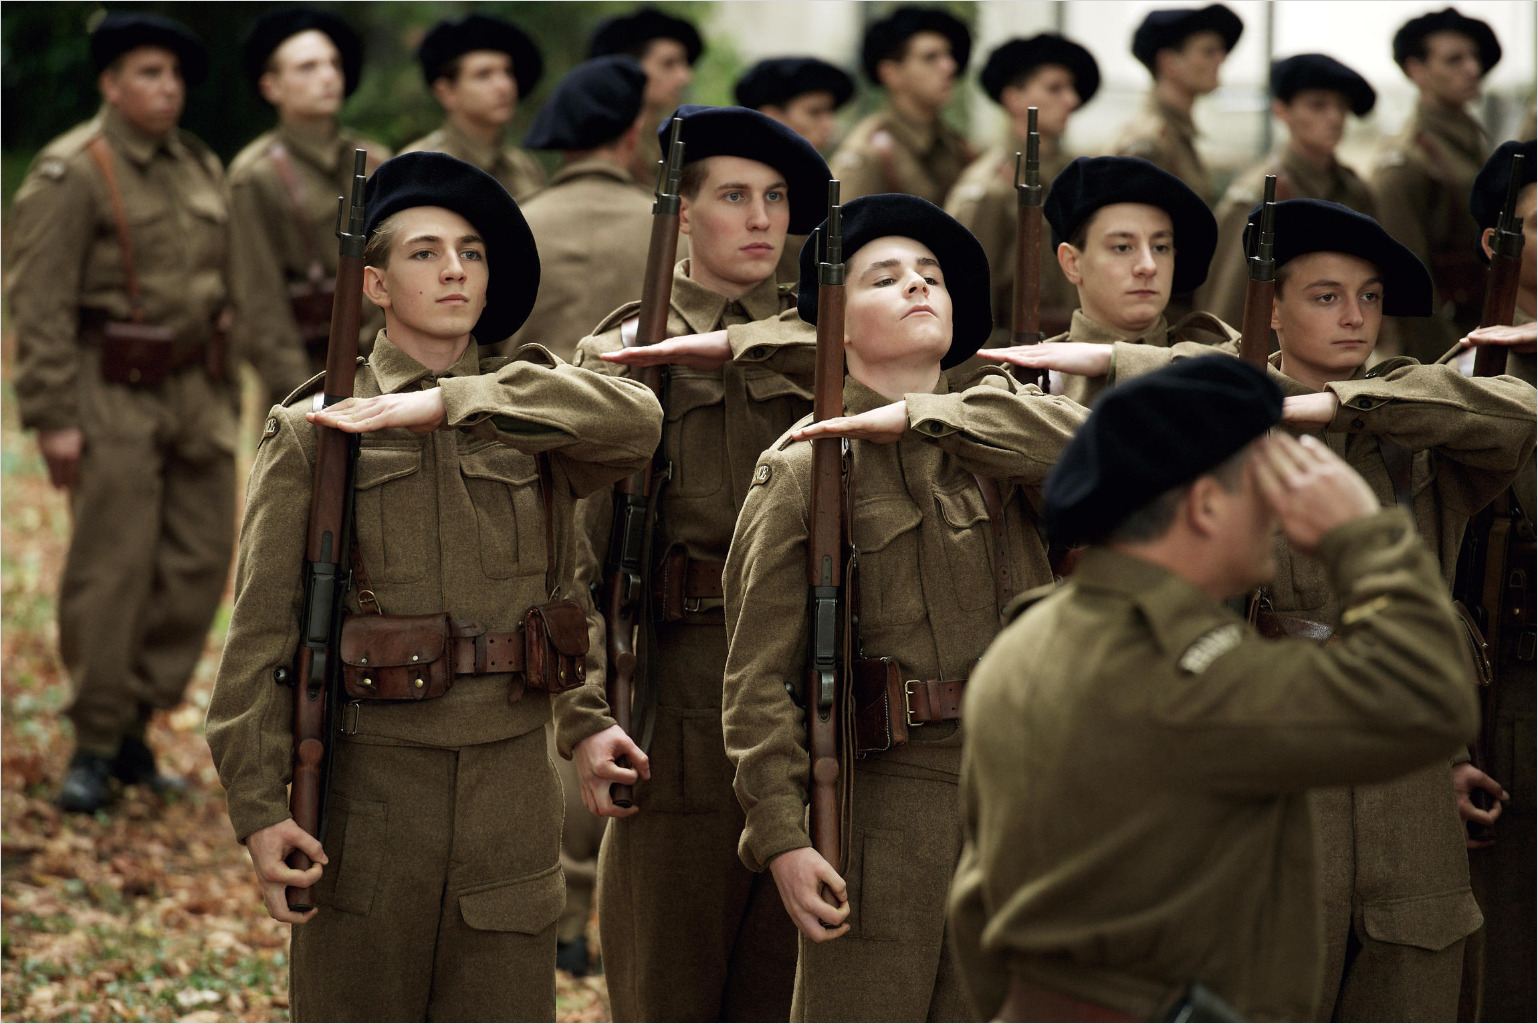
381, 465
499, 462
764, 386
528, 905
881, 518
687, 393
1425, 922
387, 641
962, 508
565, 626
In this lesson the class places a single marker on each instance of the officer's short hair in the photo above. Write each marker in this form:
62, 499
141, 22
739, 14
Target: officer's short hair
376, 251
1152, 520
692, 179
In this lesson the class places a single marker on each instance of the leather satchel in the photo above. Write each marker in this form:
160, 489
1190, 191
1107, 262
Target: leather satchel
137, 354
397, 657
879, 725
311, 301
555, 646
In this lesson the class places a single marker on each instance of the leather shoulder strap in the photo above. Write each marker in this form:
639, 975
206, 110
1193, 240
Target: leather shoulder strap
1399, 461
547, 494
293, 188
101, 155
1003, 584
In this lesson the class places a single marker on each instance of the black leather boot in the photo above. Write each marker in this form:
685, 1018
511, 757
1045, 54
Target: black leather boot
571, 957
87, 786
135, 766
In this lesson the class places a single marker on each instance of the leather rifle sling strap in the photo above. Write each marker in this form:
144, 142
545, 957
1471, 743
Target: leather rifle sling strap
101, 155
293, 188
1003, 586
547, 494
1399, 461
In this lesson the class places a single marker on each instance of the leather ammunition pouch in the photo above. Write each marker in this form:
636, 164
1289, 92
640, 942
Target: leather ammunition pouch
146, 355
310, 300
681, 585
887, 706
555, 646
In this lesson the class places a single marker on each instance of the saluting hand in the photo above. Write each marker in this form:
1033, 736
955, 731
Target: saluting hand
1310, 488
708, 351
418, 411
269, 849
596, 759
801, 876
1466, 779
1083, 358
885, 425
1522, 338
1310, 410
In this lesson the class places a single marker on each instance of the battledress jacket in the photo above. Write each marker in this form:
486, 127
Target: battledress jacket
1193, 335
888, 153
449, 521
1166, 137
518, 171
1135, 771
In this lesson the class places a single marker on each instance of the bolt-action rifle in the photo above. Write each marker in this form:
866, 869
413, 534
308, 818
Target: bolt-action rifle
1255, 326
1025, 316
328, 544
627, 571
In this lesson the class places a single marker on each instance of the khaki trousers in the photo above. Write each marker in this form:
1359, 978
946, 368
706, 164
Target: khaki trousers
581, 834
154, 527
443, 887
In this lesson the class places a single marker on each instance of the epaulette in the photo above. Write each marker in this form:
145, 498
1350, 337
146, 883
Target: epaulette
1390, 364
784, 441
1021, 602
617, 317
309, 387
1205, 323
528, 352
53, 161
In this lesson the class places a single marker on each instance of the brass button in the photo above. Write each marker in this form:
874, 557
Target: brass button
416, 657
363, 661
417, 682
368, 682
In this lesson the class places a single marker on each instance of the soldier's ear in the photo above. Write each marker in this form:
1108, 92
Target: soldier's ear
267, 85
1276, 318
683, 214
1068, 260
1484, 242
374, 287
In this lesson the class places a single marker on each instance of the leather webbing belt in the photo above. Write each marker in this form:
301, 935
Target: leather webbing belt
681, 584
487, 652
931, 700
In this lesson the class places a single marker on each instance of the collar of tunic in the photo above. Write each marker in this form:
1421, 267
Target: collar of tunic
1178, 120
1309, 180
591, 167
704, 310
1292, 386
1454, 128
920, 138
1169, 604
135, 145
321, 148
476, 152
860, 398
1082, 328
395, 371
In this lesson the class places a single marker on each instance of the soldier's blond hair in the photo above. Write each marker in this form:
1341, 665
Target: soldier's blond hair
376, 251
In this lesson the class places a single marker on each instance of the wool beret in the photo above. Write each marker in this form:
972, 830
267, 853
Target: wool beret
273, 28
1292, 75
629, 33
1151, 435
512, 259
1169, 29
450, 39
121, 31
885, 39
738, 131
591, 105
1489, 192
1088, 183
1411, 37
1315, 225
961, 257
778, 80
1017, 58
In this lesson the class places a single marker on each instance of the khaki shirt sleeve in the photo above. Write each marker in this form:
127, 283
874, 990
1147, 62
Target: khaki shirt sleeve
785, 344
52, 227
581, 712
766, 624
998, 428
266, 334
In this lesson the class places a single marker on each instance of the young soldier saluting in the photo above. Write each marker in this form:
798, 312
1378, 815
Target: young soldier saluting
1395, 880
1056, 76
1136, 758
478, 69
439, 884
283, 189
688, 934
943, 490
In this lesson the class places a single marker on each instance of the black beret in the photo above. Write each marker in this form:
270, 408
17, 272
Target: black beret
779, 80
1292, 75
1168, 29
1489, 192
273, 28
1412, 34
512, 259
961, 257
1316, 225
885, 39
1018, 57
450, 39
121, 31
738, 131
591, 105
629, 33
1151, 435
1088, 183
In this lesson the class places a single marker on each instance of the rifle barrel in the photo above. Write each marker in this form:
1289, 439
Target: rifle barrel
1255, 325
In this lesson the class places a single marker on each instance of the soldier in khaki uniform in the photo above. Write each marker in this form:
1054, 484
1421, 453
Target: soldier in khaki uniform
916, 54
1311, 94
1056, 76
479, 69
438, 886
944, 484
1183, 49
666, 48
1395, 877
121, 226
1135, 762
283, 189
688, 933
1423, 176
593, 222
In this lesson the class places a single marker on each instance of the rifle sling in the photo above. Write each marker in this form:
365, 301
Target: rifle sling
293, 189
101, 155
1003, 584
1399, 461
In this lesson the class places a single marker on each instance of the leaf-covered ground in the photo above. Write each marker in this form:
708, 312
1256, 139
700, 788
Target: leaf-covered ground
150, 911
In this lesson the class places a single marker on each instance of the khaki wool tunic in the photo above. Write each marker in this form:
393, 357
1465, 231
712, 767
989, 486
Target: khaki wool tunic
928, 599
985, 204
592, 224
888, 153
1135, 771
443, 887
1394, 874
517, 169
688, 933
1229, 275
284, 234
1166, 137
1196, 334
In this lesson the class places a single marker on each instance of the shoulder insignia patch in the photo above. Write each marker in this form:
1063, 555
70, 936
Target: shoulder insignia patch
761, 474
52, 168
1209, 647
271, 428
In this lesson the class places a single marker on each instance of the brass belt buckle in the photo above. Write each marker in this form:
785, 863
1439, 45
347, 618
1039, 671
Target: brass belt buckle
694, 605
908, 685
350, 712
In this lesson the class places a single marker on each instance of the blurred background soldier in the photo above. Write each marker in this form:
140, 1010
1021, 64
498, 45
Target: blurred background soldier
1423, 178
666, 48
283, 189
117, 291
1056, 76
916, 54
1311, 94
593, 221
478, 69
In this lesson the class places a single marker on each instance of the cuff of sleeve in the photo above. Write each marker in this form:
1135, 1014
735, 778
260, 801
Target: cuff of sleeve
574, 725
771, 829
934, 415
465, 401
1462, 757
37, 413
1355, 403
1348, 550
1131, 361
250, 814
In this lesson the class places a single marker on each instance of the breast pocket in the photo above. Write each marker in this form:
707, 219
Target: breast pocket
775, 403
696, 434
966, 539
209, 222
503, 485
390, 495
886, 534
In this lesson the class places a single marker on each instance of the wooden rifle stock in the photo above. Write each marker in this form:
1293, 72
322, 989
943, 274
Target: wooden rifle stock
327, 569
1505, 273
826, 673
1025, 316
1255, 327
627, 571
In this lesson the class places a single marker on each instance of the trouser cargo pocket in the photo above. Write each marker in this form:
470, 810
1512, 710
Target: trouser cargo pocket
527, 905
